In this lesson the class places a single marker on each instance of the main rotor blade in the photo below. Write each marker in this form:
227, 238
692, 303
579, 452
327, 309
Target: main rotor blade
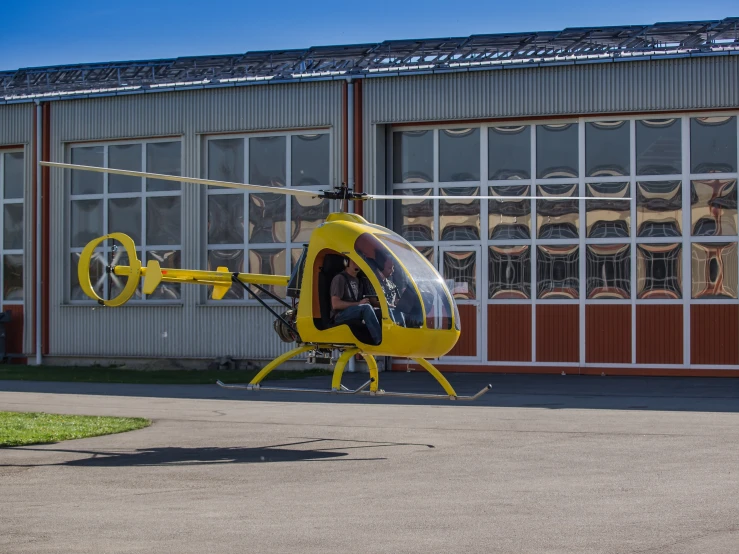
177, 178
454, 197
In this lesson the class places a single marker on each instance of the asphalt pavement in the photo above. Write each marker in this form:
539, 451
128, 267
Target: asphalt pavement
540, 464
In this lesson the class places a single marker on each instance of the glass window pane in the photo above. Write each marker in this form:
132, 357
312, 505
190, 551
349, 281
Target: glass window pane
13, 277
459, 219
295, 256
713, 207
509, 270
13, 227
87, 221
607, 148
414, 219
659, 271
124, 156
509, 152
164, 158
558, 271
163, 220
556, 151
306, 215
13, 175
269, 262
460, 273
87, 182
226, 160
267, 160
713, 145
557, 219
659, 209
310, 160
267, 218
714, 269
606, 216
226, 219
658, 147
459, 155
116, 283
97, 276
413, 157
168, 259
427, 252
608, 271
124, 216
509, 219
234, 261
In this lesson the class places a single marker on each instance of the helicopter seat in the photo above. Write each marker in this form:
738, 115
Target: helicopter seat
332, 265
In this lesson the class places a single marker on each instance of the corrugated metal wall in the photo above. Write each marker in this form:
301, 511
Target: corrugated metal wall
16, 128
192, 330
676, 84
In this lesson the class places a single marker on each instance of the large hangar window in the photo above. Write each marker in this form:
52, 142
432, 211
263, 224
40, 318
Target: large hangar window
148, 210
11, 183
264, 232
657, 217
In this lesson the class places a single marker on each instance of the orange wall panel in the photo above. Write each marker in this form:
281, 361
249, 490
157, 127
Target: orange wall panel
509, 332
714, 334
659, 334
608, 333
467, 343
14, 330
557, 333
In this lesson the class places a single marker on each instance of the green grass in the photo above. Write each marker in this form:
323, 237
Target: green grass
147, 377
18, 429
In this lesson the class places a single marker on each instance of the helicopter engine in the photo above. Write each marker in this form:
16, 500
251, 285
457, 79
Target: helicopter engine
284, 331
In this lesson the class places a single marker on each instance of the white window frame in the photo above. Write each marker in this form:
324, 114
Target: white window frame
142, 248
686, 240
246, 246
13, 251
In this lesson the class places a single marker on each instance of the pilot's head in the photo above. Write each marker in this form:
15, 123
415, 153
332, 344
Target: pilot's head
385, 264
388, 268
352, 268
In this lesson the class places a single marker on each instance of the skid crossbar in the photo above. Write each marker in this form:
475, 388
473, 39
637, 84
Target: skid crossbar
250, 387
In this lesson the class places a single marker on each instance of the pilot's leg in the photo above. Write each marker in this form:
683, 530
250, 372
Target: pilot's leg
371, 321
397, 316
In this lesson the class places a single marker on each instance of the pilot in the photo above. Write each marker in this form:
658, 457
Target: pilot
384, 270
350, 301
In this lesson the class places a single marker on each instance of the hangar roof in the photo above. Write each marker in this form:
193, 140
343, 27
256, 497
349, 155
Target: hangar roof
392, 57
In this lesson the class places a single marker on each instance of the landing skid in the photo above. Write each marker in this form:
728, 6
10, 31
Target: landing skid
338, 388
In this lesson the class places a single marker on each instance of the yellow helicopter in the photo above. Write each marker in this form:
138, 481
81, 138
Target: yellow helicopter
420, 322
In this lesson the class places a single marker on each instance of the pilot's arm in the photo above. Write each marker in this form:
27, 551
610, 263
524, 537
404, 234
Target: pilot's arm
337, 292
368, 291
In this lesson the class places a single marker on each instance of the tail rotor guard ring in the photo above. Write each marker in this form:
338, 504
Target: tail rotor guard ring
133, 272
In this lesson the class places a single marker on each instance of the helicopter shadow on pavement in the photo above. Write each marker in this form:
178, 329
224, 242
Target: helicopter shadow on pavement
182, 456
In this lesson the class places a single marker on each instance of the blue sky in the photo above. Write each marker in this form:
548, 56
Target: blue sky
47, 32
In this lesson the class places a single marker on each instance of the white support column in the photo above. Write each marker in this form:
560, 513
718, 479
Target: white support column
534, 277
350, 139
349, 118
39, 288
633, 229
687, 231
583, 248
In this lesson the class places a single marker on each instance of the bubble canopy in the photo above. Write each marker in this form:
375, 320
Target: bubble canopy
414, 291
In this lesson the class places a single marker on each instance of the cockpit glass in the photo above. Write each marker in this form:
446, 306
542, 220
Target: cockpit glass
407, 310
402, 299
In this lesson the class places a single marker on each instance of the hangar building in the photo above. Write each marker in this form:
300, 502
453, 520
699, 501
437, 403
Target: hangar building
646, 285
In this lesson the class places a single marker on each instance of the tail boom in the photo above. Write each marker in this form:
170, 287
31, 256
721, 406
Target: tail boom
153, 274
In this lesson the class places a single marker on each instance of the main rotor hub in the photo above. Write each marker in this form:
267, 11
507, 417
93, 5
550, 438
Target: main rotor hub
344, 193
